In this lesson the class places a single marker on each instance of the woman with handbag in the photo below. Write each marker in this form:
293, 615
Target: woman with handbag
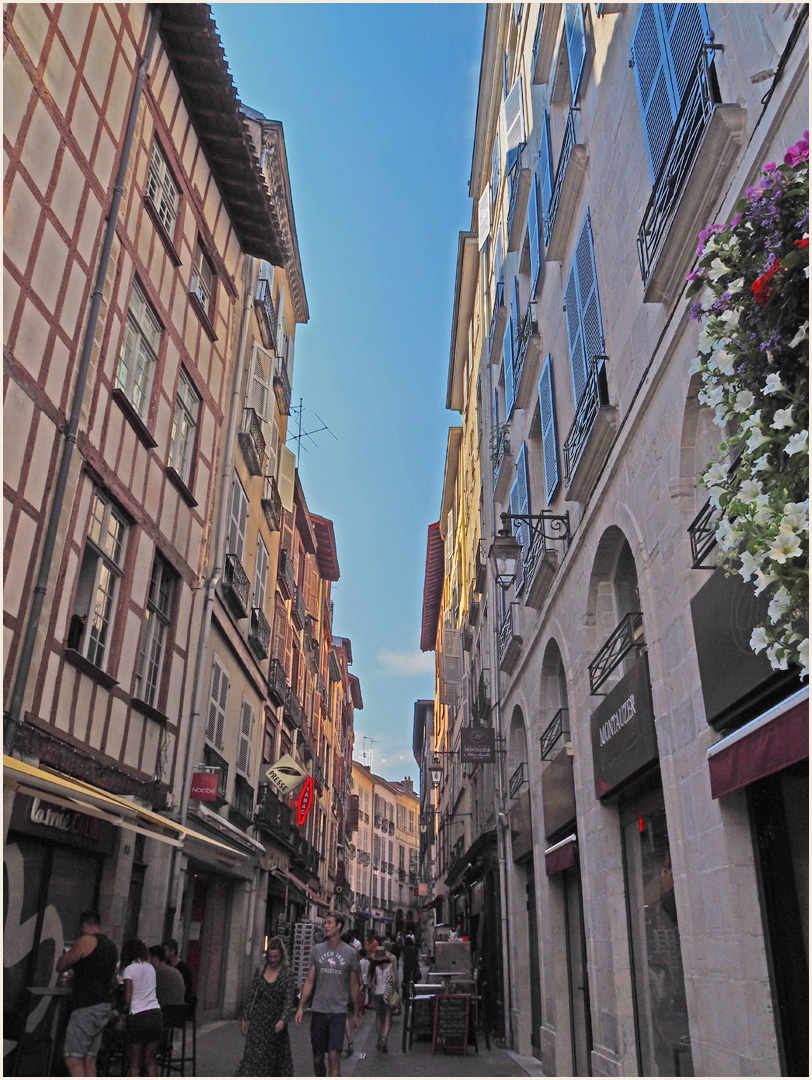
269, 1007
383, 983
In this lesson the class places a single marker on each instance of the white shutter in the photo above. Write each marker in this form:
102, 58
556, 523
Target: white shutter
484, 216
218, 702
246, 730
272, 447
465, 695
451, 656
513, 119
260, 385
239, 519
287, 476
260, 573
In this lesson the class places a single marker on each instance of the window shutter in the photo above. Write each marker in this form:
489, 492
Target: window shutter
520, 504
575, 336
516, 311
291, 346
280, 629
548, 435
484, 216
273, 447
496, 407
534, 235
452, 654
576, 44
495, 168
658, 109
287, 475
465, 700
214, 698
499, 262
238, 521
588, 295
507, 363
246, 731
686, 31
260, 573
281, 322
513, 110
261, 384
545, 175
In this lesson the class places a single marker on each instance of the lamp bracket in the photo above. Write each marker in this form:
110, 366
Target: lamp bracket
545, 528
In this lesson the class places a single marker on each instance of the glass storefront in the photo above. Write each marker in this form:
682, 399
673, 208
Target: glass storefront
664, 1045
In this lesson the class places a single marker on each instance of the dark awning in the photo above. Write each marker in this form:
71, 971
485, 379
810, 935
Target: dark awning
771, 742
560, 856
435, 903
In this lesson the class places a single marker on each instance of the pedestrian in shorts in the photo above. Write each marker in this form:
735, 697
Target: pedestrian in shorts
92, 959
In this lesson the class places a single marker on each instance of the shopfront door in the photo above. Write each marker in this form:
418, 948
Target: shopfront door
577, 975
535, 974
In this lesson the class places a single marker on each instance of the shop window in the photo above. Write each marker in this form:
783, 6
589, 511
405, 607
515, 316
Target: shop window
101, 571
154, 631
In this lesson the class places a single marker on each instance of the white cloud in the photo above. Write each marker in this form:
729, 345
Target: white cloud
406, 664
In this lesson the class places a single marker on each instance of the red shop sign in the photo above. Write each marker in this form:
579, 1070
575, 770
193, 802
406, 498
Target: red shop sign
305, 803
204, 786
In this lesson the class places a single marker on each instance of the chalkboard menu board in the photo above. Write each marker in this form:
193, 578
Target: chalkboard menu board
451, 1022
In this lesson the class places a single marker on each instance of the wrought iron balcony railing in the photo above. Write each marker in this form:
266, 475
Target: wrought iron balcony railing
236, 585
627, 636
558, 728
509, 641
692, 120
285, 577
595, 396
273, 815
242, 802
500, 445
259, 633
298, 611
281, 388
252, 441
528, 326
293, 708
498, 302
702, 534
480, 567
518, 779
560, 174
267, 314
272, 504
277, 681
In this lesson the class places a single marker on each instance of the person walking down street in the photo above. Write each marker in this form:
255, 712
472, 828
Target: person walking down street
383, 981
169, 985
144, 1024
92, 959
332, 979
372, 942
269, 1008
411, 961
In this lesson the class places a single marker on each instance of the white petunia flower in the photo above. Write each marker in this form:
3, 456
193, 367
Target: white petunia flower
720, 416
706, 341
736, 286
802, 335
783, 419
803, 657
730, 318
785, 546
750, 491
727, 535
796, 517
758, 639
761, 463
696, 365
757, 439
717, 269
773, 385
716, 474
763, 581
711, 395
744, 400
778, 658
750, 564
763, 514
722, 361
779, 604
797, 443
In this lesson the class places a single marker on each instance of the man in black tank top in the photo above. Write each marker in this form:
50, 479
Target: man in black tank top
93, 958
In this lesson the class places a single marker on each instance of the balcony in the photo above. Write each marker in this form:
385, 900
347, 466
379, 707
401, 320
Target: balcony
569, 178
519, 779
285, 578
377, 821
401, 875
252, 441
627, 637
273, 815
236, 586
498, 322
277, 682
259, 633
263, 304
298, 611
213, 762
695, 169
702, 534
272, 504
293, 709
501, 461
510, 644
591, 435
281, 388
391, 833
519, 186
550, 539
557, 729
525, 354
242, 803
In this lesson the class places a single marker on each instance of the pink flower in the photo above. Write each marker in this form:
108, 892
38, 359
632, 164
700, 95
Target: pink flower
735, 222
770, 168
798, 152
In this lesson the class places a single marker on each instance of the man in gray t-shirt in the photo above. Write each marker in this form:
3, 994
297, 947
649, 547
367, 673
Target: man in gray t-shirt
335, 972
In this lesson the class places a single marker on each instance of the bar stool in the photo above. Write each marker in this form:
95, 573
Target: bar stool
175, 1019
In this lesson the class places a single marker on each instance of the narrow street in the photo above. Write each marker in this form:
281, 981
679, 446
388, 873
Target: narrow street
219, 1048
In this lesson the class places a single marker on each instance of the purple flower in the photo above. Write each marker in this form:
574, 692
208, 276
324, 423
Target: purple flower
693, 274
695, 311
769, 168
770, 261
736, 219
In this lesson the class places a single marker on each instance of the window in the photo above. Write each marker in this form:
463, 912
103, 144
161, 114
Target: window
507, 364
667, 42
96, 591
548, 434
584, 325
260, 573
153, 632
218, 702
246, 732
202, 284
184, 426
576, 44
411, 821
162, 189
513, 119
238, 520
139, 352
520, 504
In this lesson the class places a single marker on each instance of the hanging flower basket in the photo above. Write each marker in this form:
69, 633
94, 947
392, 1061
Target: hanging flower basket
753, 360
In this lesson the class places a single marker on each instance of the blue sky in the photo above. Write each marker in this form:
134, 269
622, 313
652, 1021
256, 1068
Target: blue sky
378, 105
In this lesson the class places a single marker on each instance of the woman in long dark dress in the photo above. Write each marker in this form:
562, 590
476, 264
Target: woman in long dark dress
269, 1008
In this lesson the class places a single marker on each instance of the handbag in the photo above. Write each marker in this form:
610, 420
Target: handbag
394, 1000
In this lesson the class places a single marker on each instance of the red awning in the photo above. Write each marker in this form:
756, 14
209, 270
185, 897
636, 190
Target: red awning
432, 587
766, 745
560, 856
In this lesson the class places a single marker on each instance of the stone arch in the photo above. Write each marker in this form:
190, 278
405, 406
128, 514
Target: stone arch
553, 694
699, 443
614, 591
517, 741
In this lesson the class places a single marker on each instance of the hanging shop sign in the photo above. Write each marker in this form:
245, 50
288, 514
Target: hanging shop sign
478, 745
623, 736
422, 888
285, 775
305, 803
204, 786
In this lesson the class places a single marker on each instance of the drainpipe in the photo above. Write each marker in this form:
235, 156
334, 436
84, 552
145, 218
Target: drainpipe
11, 718
501, 816
193, 729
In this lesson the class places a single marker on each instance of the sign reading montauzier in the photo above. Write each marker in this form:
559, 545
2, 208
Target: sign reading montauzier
623, 737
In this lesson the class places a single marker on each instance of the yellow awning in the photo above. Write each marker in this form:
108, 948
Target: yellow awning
68, 791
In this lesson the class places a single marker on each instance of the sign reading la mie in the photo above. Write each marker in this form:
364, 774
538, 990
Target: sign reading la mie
285, 775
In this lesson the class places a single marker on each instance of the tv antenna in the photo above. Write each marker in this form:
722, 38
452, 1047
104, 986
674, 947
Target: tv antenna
300, 434
367, 755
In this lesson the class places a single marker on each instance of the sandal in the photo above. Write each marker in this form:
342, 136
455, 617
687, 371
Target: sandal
384, 1048
349, 1051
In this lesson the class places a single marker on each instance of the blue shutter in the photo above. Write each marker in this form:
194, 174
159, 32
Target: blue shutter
575, 336
686, 30
576, 44
507, 363
548, 435
545, 175
588, 300
534, 234
658, 108
505, 76
516, 312
499, 262
520, 504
